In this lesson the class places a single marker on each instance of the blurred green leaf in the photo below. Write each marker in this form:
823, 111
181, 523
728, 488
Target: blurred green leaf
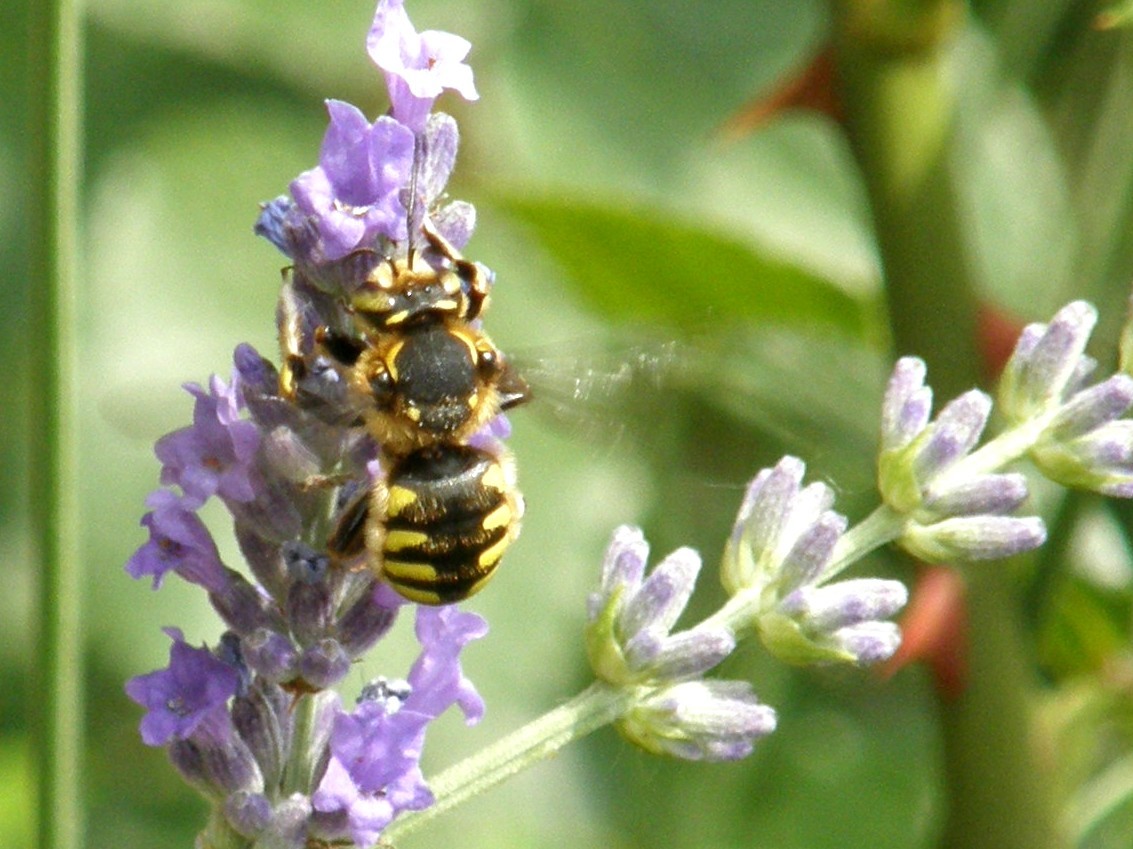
1084, 626
637, 265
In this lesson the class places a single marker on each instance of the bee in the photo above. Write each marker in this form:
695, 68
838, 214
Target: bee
411, 366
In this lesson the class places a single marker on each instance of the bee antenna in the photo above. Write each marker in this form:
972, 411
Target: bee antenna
414, 178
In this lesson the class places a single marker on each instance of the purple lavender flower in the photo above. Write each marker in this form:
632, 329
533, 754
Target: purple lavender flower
417, 66
373, 772
179, 542
216, 454
437, 679
194, 687
352, 195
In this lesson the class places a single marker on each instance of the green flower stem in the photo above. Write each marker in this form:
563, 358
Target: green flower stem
298, 774
899, 115
55, 172
598, 705
881, 526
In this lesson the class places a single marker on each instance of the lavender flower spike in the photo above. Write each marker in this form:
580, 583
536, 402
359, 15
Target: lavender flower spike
674, 710
948, 513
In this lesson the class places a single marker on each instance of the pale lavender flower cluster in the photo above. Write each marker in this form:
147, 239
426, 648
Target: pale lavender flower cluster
631, 645
956, 512
777, 558
252, 722
1084, 442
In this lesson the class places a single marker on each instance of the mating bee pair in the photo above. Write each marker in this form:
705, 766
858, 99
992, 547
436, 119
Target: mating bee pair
417, 372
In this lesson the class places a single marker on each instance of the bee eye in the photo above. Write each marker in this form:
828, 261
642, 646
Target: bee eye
488, 363
382, 385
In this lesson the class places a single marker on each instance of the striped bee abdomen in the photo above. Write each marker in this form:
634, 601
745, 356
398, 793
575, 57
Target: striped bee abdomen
450, 511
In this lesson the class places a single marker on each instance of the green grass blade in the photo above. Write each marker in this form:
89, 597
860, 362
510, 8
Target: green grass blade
55, 110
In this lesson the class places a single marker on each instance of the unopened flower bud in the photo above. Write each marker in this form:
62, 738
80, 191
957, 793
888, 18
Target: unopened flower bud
700, 720
973, 538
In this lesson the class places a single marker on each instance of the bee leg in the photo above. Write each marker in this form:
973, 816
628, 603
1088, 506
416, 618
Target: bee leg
314, 482
348, 537
294, 363
473, 278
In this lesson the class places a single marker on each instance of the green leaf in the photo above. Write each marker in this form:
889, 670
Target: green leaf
638, 264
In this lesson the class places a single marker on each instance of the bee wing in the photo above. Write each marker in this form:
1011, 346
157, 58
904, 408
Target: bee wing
586, 392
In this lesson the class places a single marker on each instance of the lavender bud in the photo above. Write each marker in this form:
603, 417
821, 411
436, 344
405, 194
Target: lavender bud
258, 723
241, 606
248, 813
271, 655
1101, 461
367, 620
310, 598
973, 538
829, 608
188, 759
216, 760
868, 642
288, 456
1045, 362
324, 664
258, 376
700, 720
270, 223
661, 599
690, 654
272, 513
811, 552
264, 560
954, 433
907, 405
623, 565
983, 494
1091, 408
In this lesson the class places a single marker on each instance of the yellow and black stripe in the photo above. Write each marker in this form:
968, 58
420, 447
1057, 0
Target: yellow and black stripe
450, 511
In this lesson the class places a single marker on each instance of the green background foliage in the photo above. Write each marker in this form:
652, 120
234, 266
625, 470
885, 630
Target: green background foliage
615, 216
